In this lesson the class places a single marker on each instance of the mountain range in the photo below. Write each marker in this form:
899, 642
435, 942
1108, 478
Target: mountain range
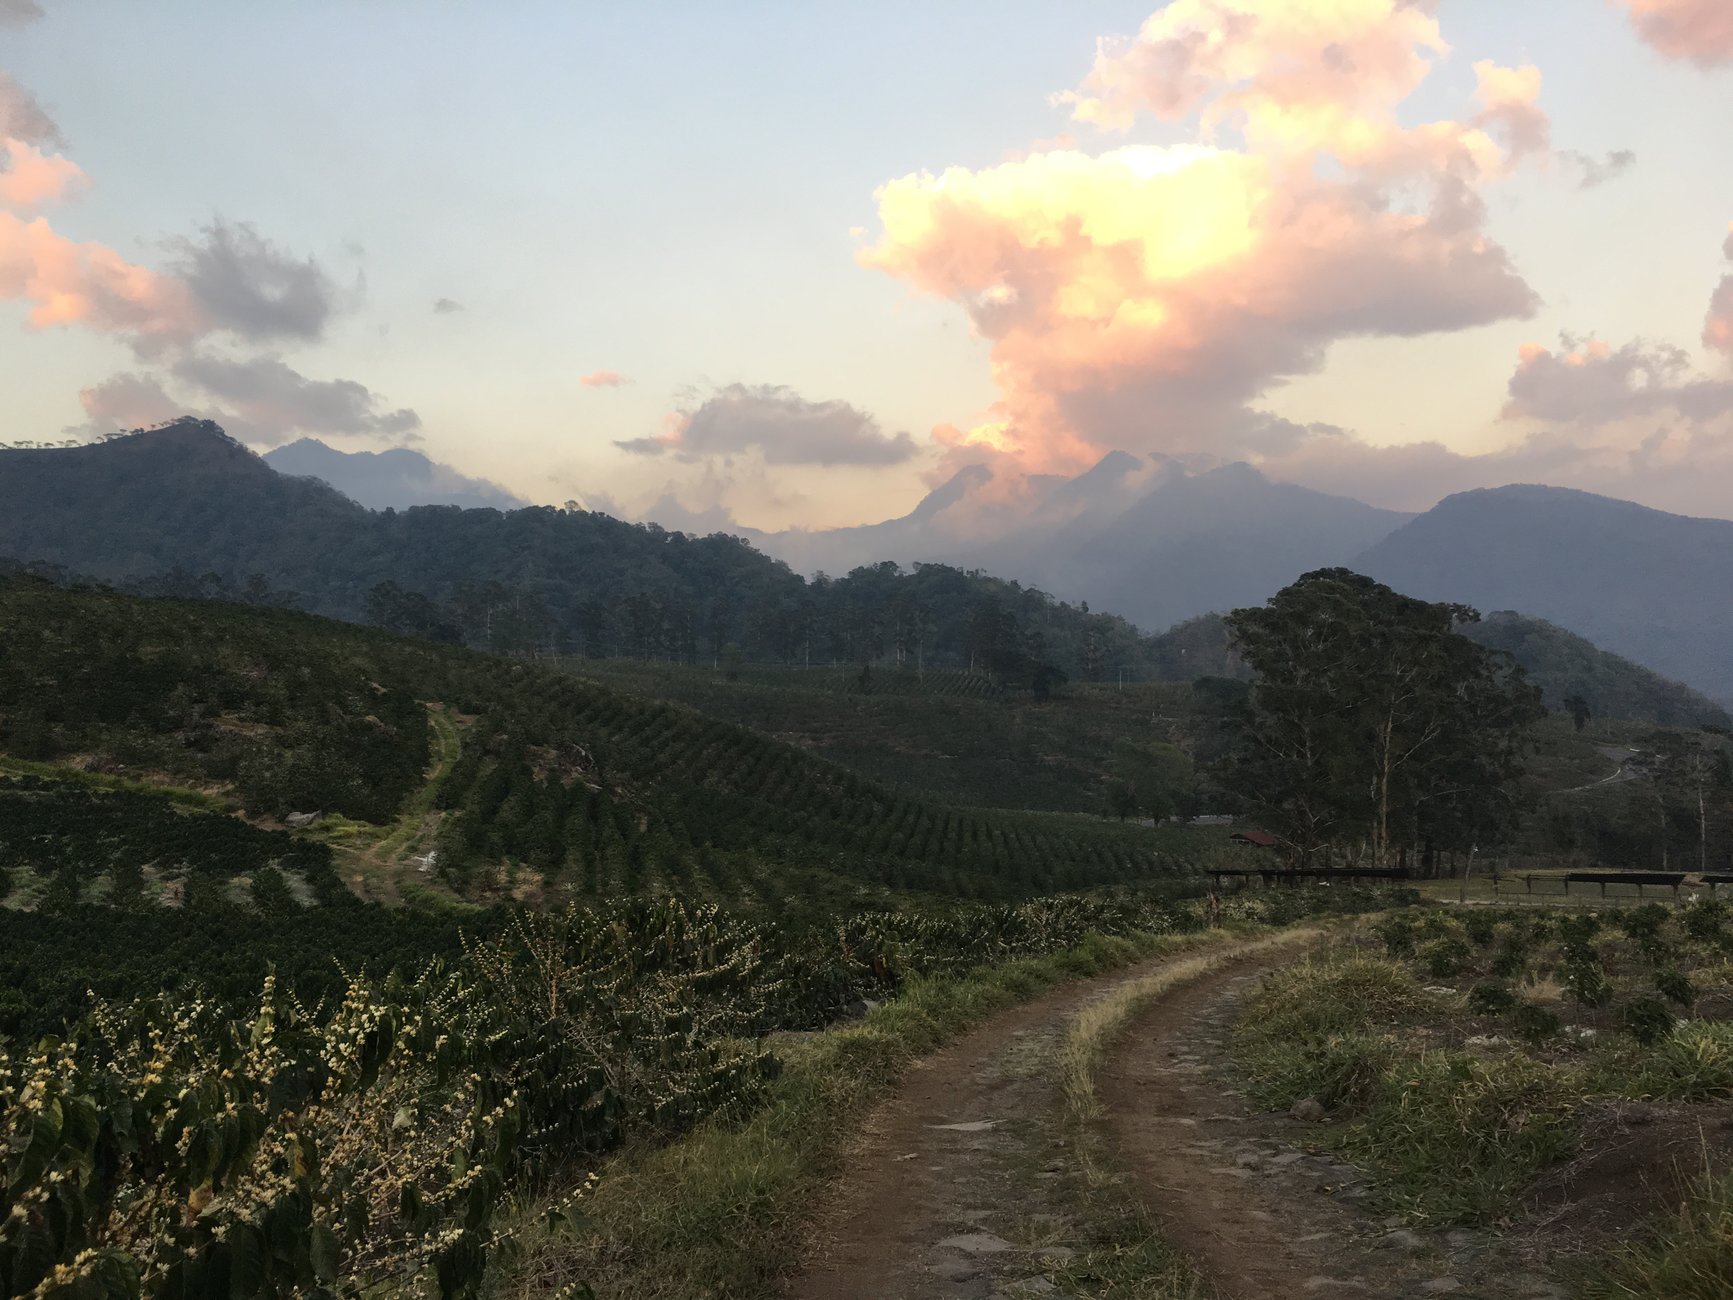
1152, 540
1159, 543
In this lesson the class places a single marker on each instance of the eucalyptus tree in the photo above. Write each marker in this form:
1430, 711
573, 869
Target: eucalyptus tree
1373, 722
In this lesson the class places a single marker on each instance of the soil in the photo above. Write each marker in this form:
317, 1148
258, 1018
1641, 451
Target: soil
939, 1199
1637, 1163
957, 1188
1242, 1194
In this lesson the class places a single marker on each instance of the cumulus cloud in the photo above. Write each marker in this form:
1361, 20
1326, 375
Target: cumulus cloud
228, 280
780, 425
1697, 31
446, 306
1634, 421
602, 379
1718, 329
1589, 382
1146, 297
31, 179
272, 401
248, 286
22, 118
261, 401
15, 13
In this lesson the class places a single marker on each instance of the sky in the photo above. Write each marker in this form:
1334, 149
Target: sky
794, 265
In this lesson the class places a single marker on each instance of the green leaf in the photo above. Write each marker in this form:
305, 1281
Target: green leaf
323, 1254
247, 1261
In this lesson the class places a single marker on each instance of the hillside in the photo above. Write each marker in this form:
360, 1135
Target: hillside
953, 736
1654, 587
1563, 664
166, 507
521, 780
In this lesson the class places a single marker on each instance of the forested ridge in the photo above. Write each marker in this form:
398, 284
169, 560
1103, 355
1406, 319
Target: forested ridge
186, 511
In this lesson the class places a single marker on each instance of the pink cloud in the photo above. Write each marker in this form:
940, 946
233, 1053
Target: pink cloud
63, 281
89, 284
1144, 297
130, 401
31, 179
1718, 329
602, 379
1697, 31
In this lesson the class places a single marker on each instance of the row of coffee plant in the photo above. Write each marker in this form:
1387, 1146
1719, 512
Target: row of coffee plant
177, 1146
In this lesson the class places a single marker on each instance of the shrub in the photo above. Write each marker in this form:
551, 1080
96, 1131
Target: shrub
1490, 997
1586, 980
1535, 1024
1576, 931
1646, 1019
1481, 927
1397, 932
1511, 960
1643, 923
1673, 984
1703, 919
1444, 958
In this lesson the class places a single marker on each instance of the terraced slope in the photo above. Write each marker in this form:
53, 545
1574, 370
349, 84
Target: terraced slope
557, 784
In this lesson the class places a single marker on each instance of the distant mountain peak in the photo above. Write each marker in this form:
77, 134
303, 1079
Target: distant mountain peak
951, 491
396, 478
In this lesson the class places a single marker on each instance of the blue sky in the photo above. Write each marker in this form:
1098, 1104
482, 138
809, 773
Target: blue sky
677, 192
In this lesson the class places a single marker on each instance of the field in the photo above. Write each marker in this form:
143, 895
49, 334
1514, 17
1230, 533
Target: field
496, 780
952, 735
1557, 1078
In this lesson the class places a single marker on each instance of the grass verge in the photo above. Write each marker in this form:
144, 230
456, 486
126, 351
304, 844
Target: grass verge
715, 1216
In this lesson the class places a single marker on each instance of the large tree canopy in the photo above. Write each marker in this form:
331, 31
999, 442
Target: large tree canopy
1371, 724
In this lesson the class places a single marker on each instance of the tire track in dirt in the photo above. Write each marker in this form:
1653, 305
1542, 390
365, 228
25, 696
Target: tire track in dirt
954, 1190
1237, 1191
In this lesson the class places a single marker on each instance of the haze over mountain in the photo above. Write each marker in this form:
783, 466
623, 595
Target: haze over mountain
1653, 586
1150, 538
393, 479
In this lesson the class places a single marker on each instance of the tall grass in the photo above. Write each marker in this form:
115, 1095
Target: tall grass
1690, 1258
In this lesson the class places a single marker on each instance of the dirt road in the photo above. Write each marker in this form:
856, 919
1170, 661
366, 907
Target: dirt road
948, 1195
963, 1185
